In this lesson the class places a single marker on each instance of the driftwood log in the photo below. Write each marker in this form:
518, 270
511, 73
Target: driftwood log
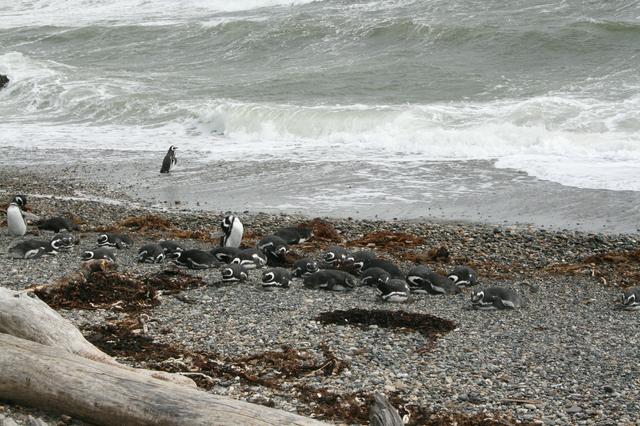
46, 363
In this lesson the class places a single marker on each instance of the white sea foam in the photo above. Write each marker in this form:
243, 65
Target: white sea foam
590, 143
74, 13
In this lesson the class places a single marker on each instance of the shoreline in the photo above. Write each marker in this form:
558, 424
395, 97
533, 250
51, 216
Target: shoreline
548, 354
482, 193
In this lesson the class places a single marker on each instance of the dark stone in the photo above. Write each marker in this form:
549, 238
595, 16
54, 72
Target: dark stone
4, 80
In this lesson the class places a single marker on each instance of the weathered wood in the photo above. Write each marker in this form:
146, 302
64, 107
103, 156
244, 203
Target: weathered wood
51, 378
25, 316
383, 413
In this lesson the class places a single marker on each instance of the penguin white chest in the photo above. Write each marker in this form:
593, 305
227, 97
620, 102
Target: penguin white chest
235, 235
15, 221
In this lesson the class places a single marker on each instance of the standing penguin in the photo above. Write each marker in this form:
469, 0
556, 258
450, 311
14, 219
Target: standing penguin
15, 217
233, 230
169, 160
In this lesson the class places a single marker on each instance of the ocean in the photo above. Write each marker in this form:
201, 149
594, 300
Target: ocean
519, 111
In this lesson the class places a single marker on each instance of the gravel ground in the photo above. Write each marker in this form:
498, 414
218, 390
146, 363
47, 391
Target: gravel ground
568, 357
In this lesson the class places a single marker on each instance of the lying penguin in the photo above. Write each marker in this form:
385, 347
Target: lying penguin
33, 249
631, 299
276, 278
171, 247
374, 276
119, 241
330, 279
234, 273
423, 280
195, 259
294, 235
335, 256
151, 253
100, 253
304, 267
393, 290
496, 298
275, 248
388, 266
226, 254
463, 276
250, 258
57, 224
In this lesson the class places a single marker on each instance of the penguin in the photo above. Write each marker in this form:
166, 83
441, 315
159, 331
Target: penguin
106, 253
15, 216
374, 276
118, 241
463, 276
64, 240
226, 254
631, 299
295, 235
363, 265
232, 229
250, 258
195, 259
353, 261
361, 256
57, 224
276, 278
275, 248
393, 290
330, 279
170, 247
423, 280
169, 160
151, 253
33, 249
304, 267
234, 273
335, 256
496, 298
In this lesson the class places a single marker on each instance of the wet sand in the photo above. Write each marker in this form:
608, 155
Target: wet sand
472, 191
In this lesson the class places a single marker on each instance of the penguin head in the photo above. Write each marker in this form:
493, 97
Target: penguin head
226, 272
268, 277
477, 297
312, 266
103, 239
142, 256
172, 148
159, 258
87, 255
56, 243
20, 200
227, 223
629, 298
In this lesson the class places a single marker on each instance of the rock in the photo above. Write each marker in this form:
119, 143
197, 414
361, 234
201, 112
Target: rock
574, 409
6, 421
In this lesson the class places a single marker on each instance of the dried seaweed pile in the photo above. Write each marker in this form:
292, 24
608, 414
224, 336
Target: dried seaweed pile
612, 268
281, 371
155, 226
428, 325
109, 289
124, 339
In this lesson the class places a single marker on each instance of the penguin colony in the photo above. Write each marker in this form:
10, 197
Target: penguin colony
337, 269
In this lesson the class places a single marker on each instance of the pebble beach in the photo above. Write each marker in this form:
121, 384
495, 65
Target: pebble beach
569, 356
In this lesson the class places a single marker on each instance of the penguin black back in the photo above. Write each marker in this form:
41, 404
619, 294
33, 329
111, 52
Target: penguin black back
169, 160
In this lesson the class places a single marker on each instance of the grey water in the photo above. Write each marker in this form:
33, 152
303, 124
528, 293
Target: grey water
524, 111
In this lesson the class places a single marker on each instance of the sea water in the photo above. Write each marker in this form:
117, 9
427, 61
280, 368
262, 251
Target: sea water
480, 110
